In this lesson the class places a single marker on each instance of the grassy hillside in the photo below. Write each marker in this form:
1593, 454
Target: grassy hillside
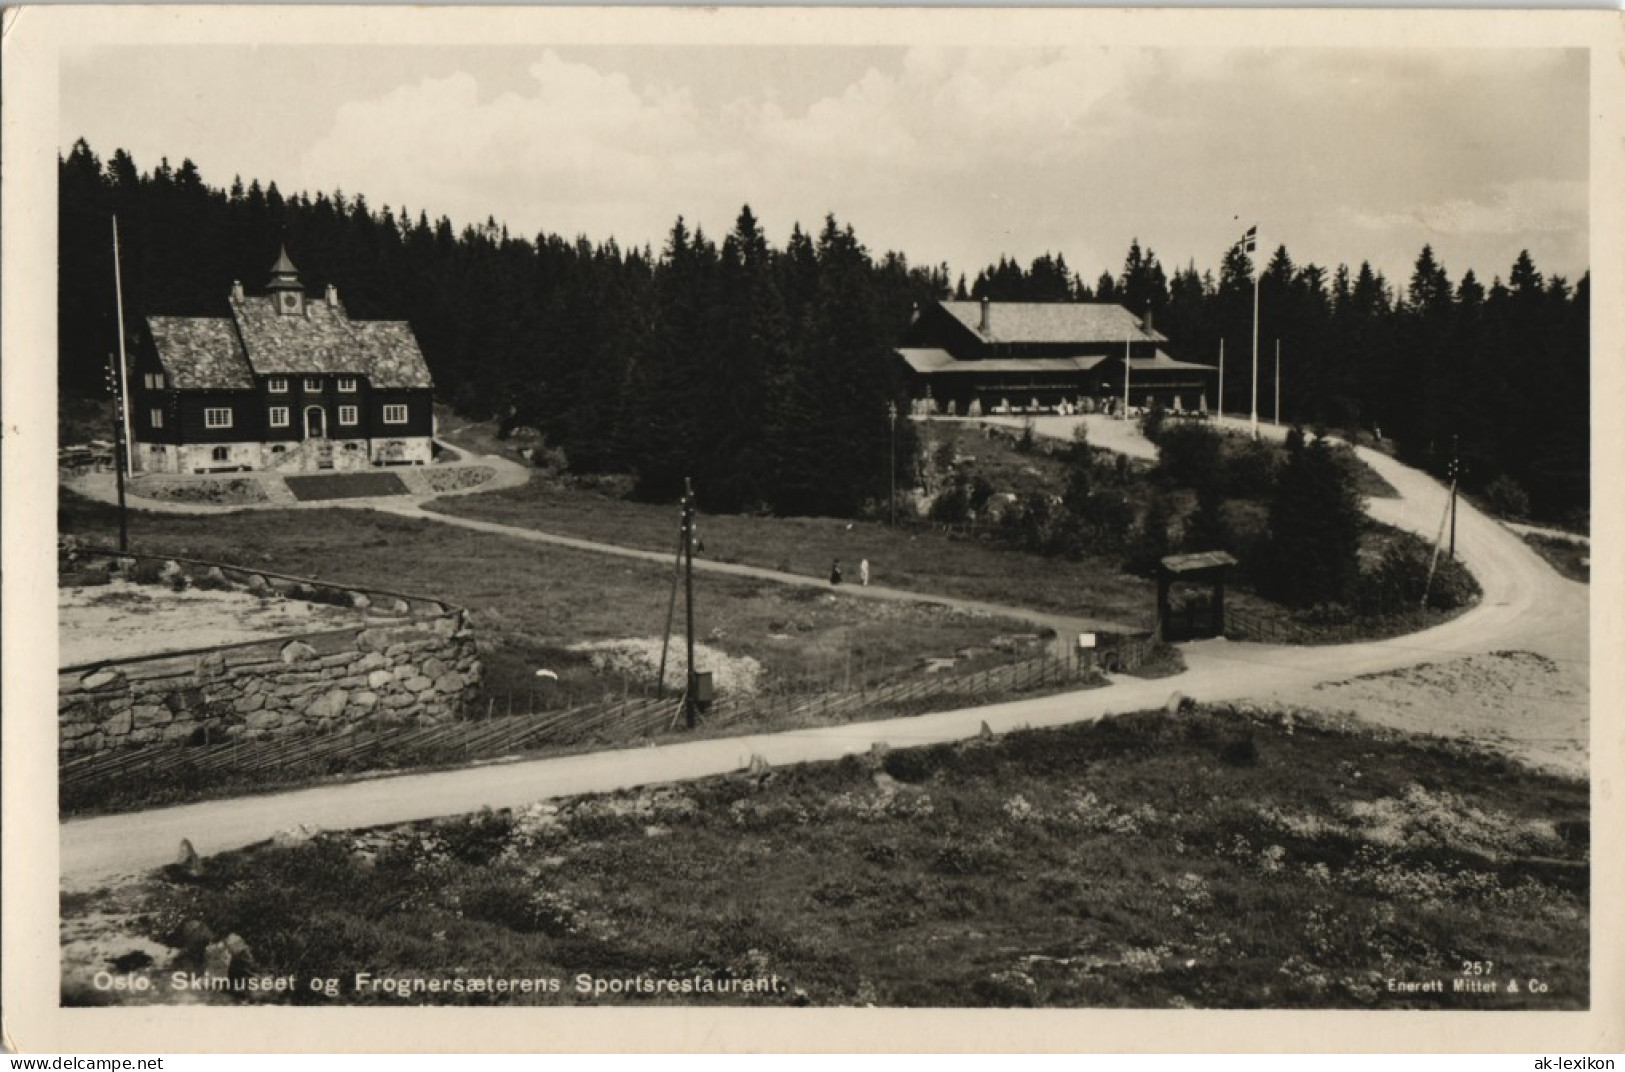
1221, 857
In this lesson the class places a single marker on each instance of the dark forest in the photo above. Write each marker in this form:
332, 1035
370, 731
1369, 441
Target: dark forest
765, 373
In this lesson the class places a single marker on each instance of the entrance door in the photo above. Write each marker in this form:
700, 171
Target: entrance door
316, 436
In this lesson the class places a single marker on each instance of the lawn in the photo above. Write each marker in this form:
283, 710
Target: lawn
916, 558
1221, 857
532, 604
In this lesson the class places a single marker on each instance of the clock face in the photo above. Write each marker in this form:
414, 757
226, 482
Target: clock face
289, 301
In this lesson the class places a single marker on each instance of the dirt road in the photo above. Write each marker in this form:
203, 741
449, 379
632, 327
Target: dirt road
1526, 607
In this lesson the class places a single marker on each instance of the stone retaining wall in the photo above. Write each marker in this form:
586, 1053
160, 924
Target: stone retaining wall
407, 661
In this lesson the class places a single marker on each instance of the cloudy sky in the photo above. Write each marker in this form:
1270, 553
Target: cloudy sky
956, 155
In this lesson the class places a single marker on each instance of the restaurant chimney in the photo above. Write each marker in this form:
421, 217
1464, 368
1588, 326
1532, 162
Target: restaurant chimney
987, 316
236, 290
332, 296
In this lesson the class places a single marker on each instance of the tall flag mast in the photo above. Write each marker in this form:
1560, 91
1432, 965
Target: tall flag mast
1249, 243
1221, 377
123, 386
1127, 351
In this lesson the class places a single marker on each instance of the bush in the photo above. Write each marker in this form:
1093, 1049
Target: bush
1249, 469
1190, 455
1397, 582
1506, 498
1153, 423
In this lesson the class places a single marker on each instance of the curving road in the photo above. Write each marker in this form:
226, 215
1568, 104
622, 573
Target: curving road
1527, 606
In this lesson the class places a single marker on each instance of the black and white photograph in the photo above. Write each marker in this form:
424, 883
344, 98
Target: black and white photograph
807, 510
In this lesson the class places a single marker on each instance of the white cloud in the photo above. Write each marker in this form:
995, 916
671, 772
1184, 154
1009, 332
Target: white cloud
967, 154
1516, 208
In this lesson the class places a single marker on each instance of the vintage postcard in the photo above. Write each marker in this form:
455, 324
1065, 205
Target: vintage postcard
814, 529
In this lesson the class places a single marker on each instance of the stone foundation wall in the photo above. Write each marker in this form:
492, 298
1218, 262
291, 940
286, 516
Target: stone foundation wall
352, 455
408, 661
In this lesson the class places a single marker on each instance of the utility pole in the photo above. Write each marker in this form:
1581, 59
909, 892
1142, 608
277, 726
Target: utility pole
1455, 476
691, 711
1221, 377
891, 414
115, 390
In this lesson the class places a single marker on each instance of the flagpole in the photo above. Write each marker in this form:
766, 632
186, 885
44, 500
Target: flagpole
1277, 383
1126, 355
1221, 378
123, 385
1257, 277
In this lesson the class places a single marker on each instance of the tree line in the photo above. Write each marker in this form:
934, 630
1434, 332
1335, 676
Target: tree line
1500, 373
765, 372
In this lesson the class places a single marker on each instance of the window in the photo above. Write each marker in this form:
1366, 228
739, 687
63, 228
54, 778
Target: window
157, 418
312, 383
221, 454
347, 384
217, 418
347, 415
158, 381
279, 416
394, 414
277, 385
146, 381
279, 449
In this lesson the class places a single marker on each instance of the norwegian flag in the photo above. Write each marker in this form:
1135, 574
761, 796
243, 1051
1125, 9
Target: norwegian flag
1249, 241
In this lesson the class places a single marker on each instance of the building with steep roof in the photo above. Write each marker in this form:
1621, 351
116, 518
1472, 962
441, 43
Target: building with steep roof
285, 381
993, 357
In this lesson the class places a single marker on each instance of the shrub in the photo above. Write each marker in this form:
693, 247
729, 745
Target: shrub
1401, 576
1249, 469
1506, 497
478, 838
1190, 455
1153, 423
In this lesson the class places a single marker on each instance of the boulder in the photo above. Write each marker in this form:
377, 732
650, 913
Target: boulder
329, 705
433, 667
294, 835
187, 861
379, 679
297, 652
151, 715
101, 679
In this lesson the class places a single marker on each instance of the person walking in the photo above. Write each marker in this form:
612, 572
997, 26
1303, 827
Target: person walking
863, 573
835, 572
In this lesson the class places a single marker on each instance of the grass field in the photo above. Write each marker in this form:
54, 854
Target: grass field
917, 559
1222, 857
532, 604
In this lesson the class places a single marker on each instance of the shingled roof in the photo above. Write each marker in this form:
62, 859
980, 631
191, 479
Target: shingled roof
206, 352
200, 352
1052, 322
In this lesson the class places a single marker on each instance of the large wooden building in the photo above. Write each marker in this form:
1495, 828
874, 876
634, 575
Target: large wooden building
987, 356
286, 381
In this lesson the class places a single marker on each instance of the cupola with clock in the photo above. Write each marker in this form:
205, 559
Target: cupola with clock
286, 293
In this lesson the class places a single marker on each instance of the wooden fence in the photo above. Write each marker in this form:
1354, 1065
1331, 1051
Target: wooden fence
484, 734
